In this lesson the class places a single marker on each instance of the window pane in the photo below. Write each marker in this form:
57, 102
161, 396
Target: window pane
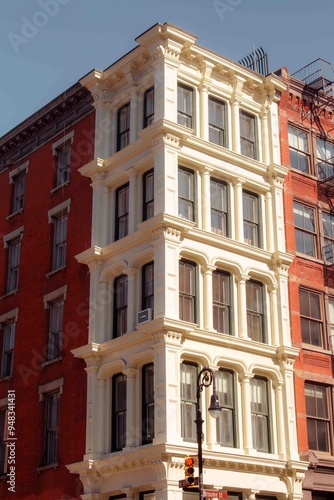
317, 417
52, 428
251, 218
221, 302
120, 305
118, 412
260, 414
218, 198
148, 404
148, 286
217, 122
122, 211
248, 144
185, 106
187, 288
148, 208
255, 311
225, 421
188, 401
148, 107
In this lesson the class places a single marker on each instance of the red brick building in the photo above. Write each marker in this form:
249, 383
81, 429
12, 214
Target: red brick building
307, 146
45, 220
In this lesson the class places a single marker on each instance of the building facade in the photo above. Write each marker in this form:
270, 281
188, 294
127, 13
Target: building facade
44, 297
307, 132
188, 268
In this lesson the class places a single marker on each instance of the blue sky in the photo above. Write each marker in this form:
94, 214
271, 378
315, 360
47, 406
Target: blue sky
48, 45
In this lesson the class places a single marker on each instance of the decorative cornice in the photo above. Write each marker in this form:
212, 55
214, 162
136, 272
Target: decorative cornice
45, 124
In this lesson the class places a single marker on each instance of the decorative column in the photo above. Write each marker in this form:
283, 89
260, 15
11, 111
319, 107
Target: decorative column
103, 120
133, 428
133, 211
269, 244
165, 153
100, 212
238, 210
166, 350
208, 310
280, 423
246, 413
242, 309
204, 86
236, 99
165, 64
265, 132
92, 423
206, 199
132, 303
273, 316
166, 243
101, 443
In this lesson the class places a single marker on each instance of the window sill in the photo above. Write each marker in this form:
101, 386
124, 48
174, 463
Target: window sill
55, 189
51, 361
54, 271
14, 213
8, 294
316, 349
6, 379
48, 466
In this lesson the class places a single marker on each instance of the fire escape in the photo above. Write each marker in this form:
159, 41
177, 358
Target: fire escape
318, 97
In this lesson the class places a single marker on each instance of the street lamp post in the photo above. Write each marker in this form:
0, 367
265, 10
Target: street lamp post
205, 379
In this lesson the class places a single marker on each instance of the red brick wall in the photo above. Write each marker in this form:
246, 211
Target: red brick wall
32, 324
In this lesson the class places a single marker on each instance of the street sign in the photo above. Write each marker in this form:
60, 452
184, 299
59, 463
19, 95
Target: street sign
215, 494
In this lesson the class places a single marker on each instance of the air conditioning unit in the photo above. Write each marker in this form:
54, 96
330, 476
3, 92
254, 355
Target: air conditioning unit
144, 315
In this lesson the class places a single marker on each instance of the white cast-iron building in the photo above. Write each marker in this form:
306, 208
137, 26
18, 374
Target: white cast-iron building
188, 269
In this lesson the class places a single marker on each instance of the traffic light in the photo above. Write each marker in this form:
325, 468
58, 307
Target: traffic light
189, 470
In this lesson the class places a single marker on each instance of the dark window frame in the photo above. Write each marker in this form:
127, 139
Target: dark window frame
118, 412
216, 128
52, 418
148, 194
7, 349
261, 419
122, 211
299, 157
120, 305
19, 183
319, 422
185, 106
60, 229
219, 211
148, 286
63, 163
123, 126
188, 402
188, 291
252, 219
256, 325
311, 324
13, 266
148, 107
56, 321
249, 146
148, 403
4, 438
226, 422
186, 194
222, 303
303, 232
